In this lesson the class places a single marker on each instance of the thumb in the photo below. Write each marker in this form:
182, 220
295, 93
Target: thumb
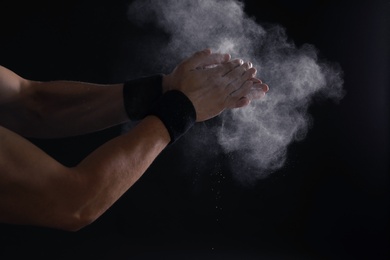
205, 58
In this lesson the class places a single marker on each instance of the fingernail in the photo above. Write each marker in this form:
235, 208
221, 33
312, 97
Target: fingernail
254, 72
256, 81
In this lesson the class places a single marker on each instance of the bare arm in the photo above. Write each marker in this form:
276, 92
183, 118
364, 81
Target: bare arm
37, 190
66, 108
58, 108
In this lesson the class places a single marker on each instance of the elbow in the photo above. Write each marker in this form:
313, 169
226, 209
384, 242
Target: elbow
80, 223
76, 222
78, 212
33, 101
76, 225
83, 207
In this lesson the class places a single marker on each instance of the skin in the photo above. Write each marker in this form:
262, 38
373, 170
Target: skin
37, 190
227, 90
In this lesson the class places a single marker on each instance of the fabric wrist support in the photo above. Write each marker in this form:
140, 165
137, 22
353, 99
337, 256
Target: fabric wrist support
140, 95
177, 113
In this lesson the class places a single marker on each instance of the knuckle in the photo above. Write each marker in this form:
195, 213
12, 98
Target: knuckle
235, 62
247, 65
202, 52
253, 70
198, 54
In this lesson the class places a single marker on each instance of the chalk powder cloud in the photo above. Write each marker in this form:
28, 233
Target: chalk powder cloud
258, 136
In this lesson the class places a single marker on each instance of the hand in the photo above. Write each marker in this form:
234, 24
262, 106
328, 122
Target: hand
213, 83
258, 91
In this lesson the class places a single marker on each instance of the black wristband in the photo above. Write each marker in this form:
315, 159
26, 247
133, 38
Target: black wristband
140, 95
177, 113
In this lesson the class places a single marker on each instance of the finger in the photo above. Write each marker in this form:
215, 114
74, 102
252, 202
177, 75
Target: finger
242, 102
213, 60
248, 74
205, 58
248, 64
257, 91
239, 70
256, 81
225, 68
237, 80
255, 94
192, 61
235, 96
265, 87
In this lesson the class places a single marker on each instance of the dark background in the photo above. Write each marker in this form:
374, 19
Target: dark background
330, 201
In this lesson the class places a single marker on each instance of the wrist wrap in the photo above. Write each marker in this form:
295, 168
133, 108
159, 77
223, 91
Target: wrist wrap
177, 113
140, 95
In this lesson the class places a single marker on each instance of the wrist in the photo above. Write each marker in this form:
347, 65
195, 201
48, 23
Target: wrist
141, 94
166, 83
177, 113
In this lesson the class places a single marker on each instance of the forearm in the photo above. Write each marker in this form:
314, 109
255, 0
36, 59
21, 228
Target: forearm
37, 190
118, 164
64, 108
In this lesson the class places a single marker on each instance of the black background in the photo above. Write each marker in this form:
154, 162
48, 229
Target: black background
330, 201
